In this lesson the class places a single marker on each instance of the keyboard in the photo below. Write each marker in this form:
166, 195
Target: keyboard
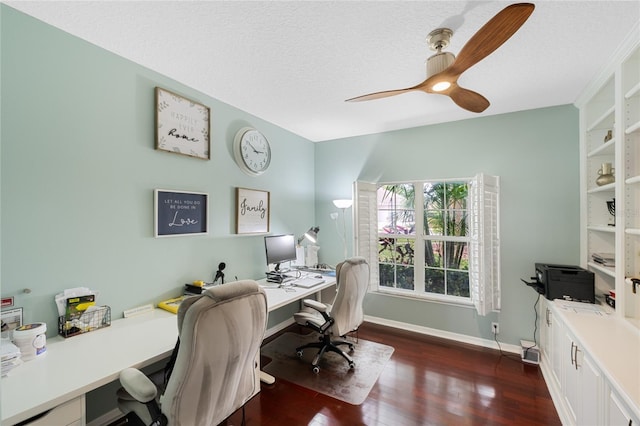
307, 282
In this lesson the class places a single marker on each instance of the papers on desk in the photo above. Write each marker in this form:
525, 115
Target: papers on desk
579, 307
10, 356
307, 282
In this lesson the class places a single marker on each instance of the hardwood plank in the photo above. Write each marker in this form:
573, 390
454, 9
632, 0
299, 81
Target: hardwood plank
427, 381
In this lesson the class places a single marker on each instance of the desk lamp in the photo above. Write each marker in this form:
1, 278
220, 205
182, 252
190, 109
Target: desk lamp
305, 255
342, 205
311, 235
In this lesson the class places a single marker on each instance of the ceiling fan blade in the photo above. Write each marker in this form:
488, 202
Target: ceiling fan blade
491, 36
468, 99
379, 95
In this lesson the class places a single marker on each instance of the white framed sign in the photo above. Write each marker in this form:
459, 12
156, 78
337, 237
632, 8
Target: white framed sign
182, 125
252, 211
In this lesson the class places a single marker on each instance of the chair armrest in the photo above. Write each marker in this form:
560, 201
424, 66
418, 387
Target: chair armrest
138, 385
318, 306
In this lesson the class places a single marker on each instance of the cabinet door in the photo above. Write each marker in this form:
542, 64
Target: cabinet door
70, 413
619, 414
583, 384
571, 385
545, 330
590, 384
557, 352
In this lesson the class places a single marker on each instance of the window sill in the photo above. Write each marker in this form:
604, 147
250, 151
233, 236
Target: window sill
442, 299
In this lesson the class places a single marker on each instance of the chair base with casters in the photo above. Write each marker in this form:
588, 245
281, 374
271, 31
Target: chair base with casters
326, 344
341, 317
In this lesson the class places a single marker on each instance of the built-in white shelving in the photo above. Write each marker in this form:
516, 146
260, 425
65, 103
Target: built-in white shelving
608, 114
606, 148
610, 133
600, 228
603, 188
632, 128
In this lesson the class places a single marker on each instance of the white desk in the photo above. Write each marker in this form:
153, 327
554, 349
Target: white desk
279, 297
74, 366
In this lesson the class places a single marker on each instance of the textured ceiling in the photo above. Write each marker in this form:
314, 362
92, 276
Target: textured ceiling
294, 63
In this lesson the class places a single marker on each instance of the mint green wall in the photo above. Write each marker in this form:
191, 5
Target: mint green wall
535, 153
79, 168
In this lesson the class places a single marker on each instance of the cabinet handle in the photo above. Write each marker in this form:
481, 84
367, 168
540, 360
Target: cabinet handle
548, 315
571, 353
574, 355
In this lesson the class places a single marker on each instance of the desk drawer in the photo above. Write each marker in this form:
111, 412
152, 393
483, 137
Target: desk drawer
70, 413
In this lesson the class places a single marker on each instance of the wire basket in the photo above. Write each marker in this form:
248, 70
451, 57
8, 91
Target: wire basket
86, 322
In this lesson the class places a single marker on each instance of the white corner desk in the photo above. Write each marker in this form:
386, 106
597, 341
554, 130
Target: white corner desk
71, 367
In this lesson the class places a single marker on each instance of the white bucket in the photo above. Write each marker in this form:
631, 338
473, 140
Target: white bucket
31, 339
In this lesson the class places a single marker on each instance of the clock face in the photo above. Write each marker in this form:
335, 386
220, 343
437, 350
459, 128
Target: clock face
252, 151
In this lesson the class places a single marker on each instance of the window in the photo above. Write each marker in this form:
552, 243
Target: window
450, 253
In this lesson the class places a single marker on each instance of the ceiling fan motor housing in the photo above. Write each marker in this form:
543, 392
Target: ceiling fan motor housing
439, 62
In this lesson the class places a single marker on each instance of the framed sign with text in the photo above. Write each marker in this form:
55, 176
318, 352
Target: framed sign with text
252, 211
182, 125
180, 213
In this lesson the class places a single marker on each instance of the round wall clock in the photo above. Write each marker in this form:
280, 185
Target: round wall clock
251, 151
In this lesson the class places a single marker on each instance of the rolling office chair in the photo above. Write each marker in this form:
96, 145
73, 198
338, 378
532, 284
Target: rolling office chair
343, 316
215, 371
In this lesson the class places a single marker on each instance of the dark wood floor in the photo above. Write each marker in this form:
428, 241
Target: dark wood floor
427, 381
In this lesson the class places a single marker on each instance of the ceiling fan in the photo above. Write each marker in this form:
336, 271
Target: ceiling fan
444, 69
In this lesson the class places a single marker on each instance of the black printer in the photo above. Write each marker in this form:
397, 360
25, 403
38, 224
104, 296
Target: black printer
565, 282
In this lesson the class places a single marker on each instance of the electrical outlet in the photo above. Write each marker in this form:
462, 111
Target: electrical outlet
495, 328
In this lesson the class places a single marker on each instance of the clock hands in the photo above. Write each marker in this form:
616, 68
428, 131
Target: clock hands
254, 149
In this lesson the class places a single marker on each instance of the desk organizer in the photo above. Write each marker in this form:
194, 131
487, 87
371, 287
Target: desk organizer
88, 321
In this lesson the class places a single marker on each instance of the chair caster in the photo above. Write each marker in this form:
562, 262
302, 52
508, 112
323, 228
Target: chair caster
351, 348
299, 353
315, 369
352, 365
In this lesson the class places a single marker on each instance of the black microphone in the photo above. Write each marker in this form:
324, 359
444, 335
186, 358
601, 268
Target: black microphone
219, 273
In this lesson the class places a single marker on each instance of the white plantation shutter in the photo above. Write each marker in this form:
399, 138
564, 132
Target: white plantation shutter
484, 249
366, 227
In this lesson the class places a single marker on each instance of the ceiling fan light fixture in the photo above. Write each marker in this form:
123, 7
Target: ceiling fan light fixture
439, 62
441, 86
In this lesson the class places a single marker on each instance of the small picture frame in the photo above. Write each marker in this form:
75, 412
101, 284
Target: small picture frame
182, 125
252, 211
179, 213
11, 319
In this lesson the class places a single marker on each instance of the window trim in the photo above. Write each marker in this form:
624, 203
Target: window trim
484, 230
443, 299
420, 239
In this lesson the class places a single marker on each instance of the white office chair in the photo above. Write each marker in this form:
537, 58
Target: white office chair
220, 333
343, 316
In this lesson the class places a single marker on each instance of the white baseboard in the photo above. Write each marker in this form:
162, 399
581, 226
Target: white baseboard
506, 347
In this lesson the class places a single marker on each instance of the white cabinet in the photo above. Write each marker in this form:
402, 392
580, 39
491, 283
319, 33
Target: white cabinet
610, 134
546, 322
618, 413
557, 334
70, 413
551, 333
589, 363
582, 383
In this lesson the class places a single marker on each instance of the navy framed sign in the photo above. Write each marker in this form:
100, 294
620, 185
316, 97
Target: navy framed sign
180, 213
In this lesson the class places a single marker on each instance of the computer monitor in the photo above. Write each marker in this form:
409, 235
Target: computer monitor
280, 248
